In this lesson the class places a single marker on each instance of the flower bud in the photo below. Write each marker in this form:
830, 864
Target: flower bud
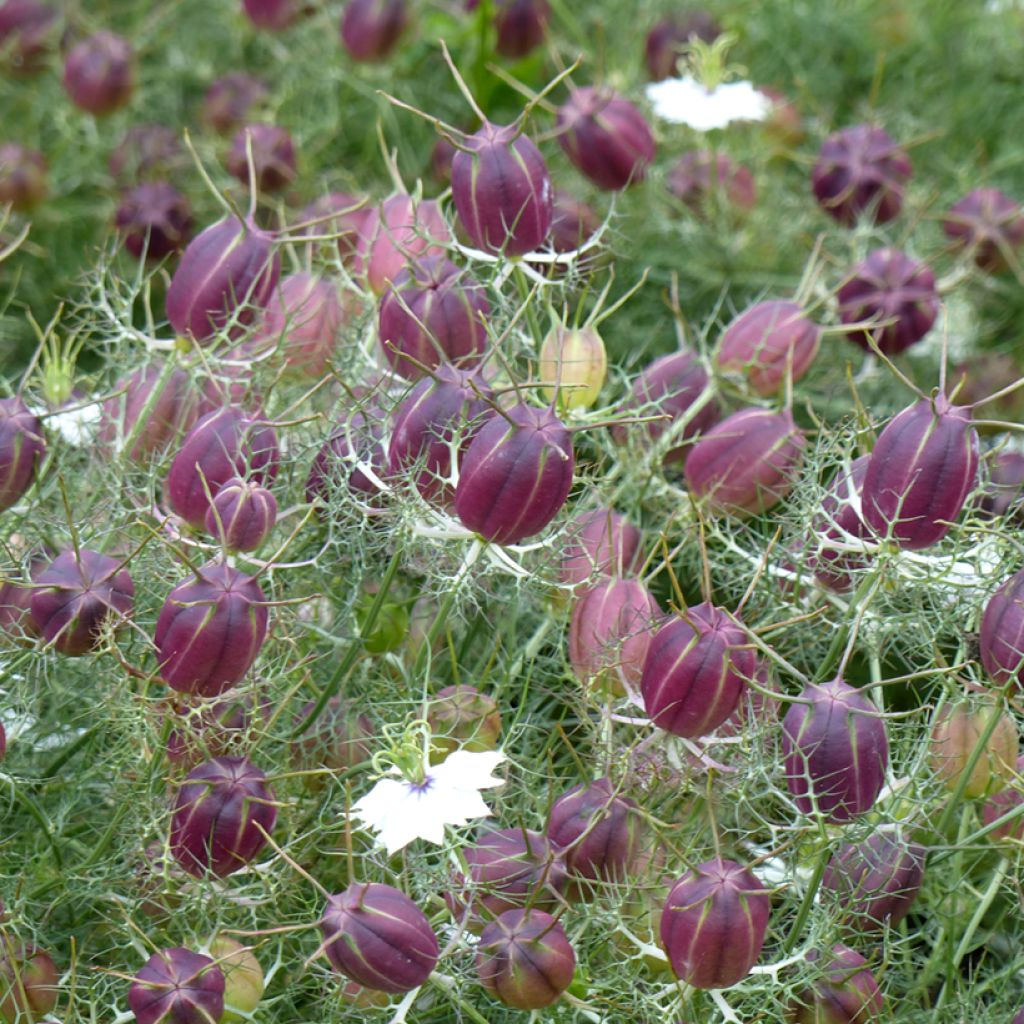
668, 39
354, 456
525, 960
155, 219
210, 630
306, 316
836, 751
99, 73
846, 993
714, 923
461, 716
1003, 802
341, 214
242, 515
892, 289
861, 171
228, 269
606, 137
273, 157
28, 981
1002, 632
600, 542
922, 469
378, 937
230, 100
338, 739
76, 596
521, 26
221, 815
502, 191
747, 463
768, 344
987, 224
838, 520
274, 15
22, 447
243, 978
27, 31
575, 365
515, 475
177, 986
703, 180
23, 176
956, 733
696, 670
371, 29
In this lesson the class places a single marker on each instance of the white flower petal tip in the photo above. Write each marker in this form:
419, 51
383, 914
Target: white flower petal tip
686, 101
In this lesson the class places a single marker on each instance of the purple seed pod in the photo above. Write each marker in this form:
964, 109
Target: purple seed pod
230, 100
228, 442
339, 739
836, 751
606, 137
305, 317
1002, 632
874, 882
155, 219
273, 157
76, 595
525, 960
669, 37
27, 31
714, 923
922, 468
371, 29
702, 179
978, 379
769, 343
22, 447
1005, 485
697, 668
275, 15
502, 191
747, 463
220, 815
460, 716
341, 214
1003, 802
146, 151
212, 729
228, 266
23, 176
670, 387
839, 515
210, 630
441, 157
846, 993
433, 312
1019, 1018
889, 286
989, 225
955, 734
598, 830
860, 172
601, 542
99, 73
355, 445
573, 363
28, 981
610, 633
515, 475
521, 26
573, 222
242, 515
375, 935
16, 599
177, 986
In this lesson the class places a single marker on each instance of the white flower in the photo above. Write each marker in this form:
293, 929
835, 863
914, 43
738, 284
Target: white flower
76, 425
400, 811
685, 101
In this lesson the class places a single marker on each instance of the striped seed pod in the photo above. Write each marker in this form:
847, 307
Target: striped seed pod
955, 734
177, 986
22, 447
845, 993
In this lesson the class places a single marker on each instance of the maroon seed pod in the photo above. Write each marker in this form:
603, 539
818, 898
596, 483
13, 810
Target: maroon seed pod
353, 455
1005, 485
610, 633
836, 751
441, 157
230, 100
1001, 641
696, 670
434, 313
155, 219
976, 380
860, 172
16, 599
28, 981
27, 31
275, 15
701, 180
768, 343
1019, 1018
668, 38
846, 993
177, 986
502, 191
670, 387
602, 542
525, 960
606, 137
339, 739
147, 150
22, 447
305, 317
874, 882
714, 923
378, 937
1001, 803
273, 157
840, 515
220, 816
515, 475
371, 29
572, 222
210, 630
461, 716
212, 729
747, 463
521, 26
74, 598
956, 733
989, 225
242, 515
889, 286
226, 267
922, 469
225, 443
99, 73
23, 176
341, 214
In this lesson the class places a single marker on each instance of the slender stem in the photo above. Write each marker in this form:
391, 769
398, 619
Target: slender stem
808, 901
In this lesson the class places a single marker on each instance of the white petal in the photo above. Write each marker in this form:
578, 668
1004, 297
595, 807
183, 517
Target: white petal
686, 101
469, 769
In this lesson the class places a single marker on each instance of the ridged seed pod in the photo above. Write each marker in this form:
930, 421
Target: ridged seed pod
230, 99
28, 982
242, 515
703, 181
378, 937
460, 716
337, 213
573, 222
669, 37
922, 469
713, 924
220, 815
371, 29
27, 32
304, 319
155, 220
989, 225
244, 981
273, 157
177, 986
23, 176
957, 732
275, 15
339, 738
520, 25
573, 363
22, 447
846, 992
353, 456
1002, 632
601, 542
1003, 802
836, 751
212, 729
838, 519
147, 151
99, 73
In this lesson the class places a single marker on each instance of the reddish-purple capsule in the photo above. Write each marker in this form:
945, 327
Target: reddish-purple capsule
839, 520
27, 31
668, 38
922, 469
520, 25
836, 751
23, 176
22, 447
304, 319
242, 515
1003, 802
177, 986
354, 456
573, 222
28, 980
339, 738
99, 73
713, 924
212, 729
845, 993
341, 214
988, 225
1005, 484
229, 101
155, 220
371, 29
1002, 632
600, 542
275, 15
273, 157
702, 180
146, 151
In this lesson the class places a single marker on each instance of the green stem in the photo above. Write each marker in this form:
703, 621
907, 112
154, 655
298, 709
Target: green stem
44, 823
448, 988
808, 901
